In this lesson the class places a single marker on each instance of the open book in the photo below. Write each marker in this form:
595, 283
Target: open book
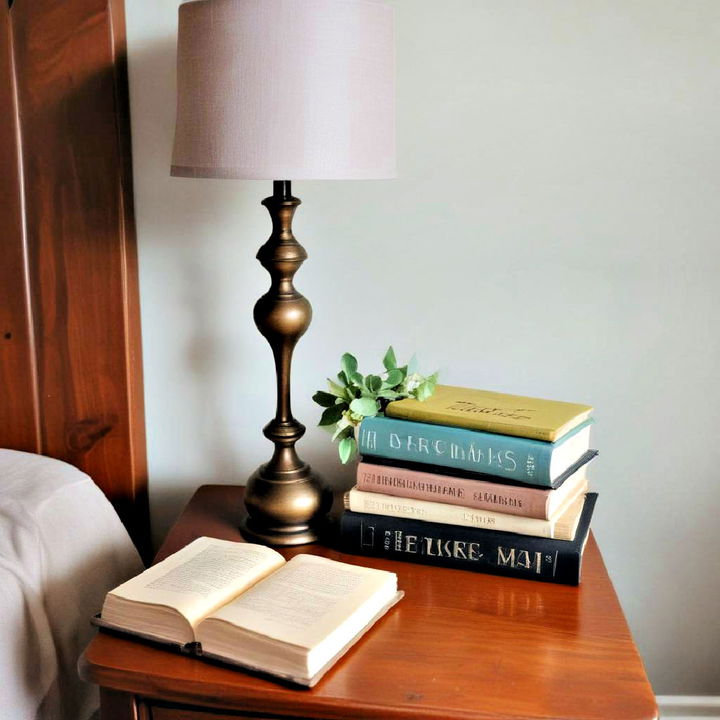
245, 605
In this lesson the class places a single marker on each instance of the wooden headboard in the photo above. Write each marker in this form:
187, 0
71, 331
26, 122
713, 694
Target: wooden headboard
70, 354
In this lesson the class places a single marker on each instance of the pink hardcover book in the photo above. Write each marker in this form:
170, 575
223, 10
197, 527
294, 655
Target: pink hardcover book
542, 503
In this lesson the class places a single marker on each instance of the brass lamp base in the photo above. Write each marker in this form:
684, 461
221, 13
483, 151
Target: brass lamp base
283, 512
284, 498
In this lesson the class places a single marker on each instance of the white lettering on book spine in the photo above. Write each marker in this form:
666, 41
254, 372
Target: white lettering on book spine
212, 569
530, 466
504, 460
368, 439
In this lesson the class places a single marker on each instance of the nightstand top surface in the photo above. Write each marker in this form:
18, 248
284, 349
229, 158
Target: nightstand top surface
459, 645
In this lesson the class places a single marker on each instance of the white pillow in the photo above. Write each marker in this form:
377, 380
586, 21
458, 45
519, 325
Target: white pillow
62, 547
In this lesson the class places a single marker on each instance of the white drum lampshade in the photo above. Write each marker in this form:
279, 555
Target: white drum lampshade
285, 90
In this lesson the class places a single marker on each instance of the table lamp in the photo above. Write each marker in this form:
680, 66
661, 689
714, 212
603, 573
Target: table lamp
285, 90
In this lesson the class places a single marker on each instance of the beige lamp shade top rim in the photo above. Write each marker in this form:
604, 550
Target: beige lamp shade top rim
222, 173
285, 90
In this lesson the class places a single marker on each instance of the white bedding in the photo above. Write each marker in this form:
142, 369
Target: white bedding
62, 547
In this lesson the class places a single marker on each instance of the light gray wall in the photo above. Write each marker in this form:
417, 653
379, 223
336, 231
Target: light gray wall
554, 232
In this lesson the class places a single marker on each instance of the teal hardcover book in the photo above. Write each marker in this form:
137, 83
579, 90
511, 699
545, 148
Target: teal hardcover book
514, 458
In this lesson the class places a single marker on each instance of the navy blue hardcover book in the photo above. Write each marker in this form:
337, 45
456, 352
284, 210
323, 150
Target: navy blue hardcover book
463, 548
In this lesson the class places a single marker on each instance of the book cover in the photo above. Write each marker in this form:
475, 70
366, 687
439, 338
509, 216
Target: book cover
484, 551
522, 500
530, 461
527, 417
560, 527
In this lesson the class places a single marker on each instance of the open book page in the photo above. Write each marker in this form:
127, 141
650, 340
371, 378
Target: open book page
303, 602
202, 576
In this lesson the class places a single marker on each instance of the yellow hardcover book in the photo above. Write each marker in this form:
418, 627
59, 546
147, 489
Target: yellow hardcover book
493, 412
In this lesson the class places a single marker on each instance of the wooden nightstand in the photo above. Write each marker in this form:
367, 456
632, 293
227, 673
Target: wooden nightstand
459, 645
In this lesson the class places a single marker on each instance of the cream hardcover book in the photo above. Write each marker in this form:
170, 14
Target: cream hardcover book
561, 526
243, 604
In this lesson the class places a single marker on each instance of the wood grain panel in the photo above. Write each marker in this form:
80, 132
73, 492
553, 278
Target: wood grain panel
173, 712
118, 706
71, 89
19, 420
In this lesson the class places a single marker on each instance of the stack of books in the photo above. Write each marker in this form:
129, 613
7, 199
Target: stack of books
475, 480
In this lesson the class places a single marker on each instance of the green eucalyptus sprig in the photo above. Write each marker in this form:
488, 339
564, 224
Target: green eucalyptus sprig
354, 397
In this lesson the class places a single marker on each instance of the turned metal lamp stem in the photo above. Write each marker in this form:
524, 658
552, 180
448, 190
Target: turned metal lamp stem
284, 498
282, 209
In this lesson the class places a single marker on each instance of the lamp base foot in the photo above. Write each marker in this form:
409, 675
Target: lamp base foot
284, 508
279, 537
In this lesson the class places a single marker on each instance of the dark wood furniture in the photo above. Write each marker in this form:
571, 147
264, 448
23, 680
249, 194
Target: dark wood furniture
459, 645
70, 358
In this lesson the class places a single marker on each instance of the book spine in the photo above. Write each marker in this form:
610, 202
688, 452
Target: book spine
506, 456
485, 551
410, 508
480, 494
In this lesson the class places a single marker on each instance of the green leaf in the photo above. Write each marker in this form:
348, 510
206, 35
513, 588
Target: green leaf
365, 406
341, 433
389, 360
394, 378
336, 389
349, 364
373, 383
324, 399
424, 391
412, 366
332, 414
357, 379
389, 394
343, 379
347, 448
431, 382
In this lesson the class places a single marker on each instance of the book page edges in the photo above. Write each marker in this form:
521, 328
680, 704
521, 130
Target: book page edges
184, 648
195, 649
311, 682
581, 490
566, 525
